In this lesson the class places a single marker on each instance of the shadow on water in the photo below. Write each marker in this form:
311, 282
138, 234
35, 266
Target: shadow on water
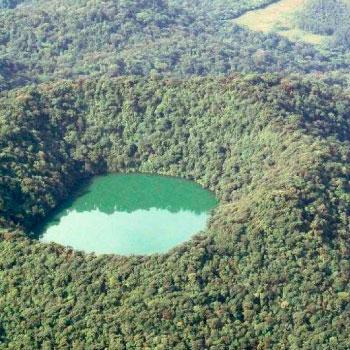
54, 217
130, 192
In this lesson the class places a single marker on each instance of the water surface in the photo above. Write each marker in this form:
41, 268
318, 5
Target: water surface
130, 214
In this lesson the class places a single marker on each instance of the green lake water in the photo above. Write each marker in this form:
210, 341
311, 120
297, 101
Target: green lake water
130, 214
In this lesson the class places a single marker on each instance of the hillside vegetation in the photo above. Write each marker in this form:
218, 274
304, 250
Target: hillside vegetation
177, 87
327, 17
44, 41
279, 18
271, 271
316, 22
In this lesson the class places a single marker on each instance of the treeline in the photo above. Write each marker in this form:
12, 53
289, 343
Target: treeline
272, 270
90, 127
327, 17
69, 39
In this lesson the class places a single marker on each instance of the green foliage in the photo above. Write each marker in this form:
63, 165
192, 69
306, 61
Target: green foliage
327, 17
49, 40
9, 4
324, 16
271, 271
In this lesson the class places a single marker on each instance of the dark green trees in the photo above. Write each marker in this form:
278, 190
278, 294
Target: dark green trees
324, 16
51, 40
270, 272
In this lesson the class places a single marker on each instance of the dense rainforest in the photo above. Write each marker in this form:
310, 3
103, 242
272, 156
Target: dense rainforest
328, 17
272, 270
50, 40
174, 87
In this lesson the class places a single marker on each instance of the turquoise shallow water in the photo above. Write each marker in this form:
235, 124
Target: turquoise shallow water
130, 214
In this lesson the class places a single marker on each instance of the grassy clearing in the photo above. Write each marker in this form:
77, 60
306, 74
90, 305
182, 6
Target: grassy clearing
279, 18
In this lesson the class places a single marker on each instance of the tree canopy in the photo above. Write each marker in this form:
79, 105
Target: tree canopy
275, 256
50, 40
173, 87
